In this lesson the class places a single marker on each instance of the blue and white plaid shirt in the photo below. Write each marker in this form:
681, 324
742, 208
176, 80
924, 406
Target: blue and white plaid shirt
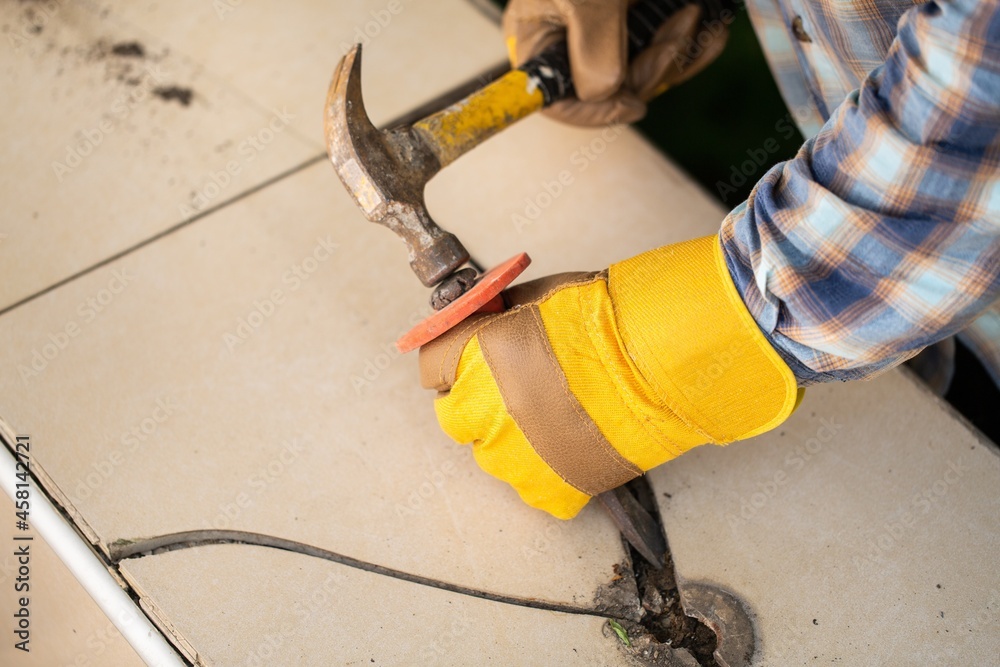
882, 235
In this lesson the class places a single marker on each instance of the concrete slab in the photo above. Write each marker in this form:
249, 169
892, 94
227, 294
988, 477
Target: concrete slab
309, 611
133, 118
238, 379
281, 53
862, 531
573, 199
235, 375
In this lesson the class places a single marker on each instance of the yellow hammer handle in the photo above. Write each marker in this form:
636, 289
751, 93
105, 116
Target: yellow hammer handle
467, 123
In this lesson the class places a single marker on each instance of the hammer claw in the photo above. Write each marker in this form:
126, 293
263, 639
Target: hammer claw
385, 172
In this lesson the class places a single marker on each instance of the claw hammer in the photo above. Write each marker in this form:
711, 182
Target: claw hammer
385, 171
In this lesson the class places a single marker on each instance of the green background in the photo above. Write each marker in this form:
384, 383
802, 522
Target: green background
708, 123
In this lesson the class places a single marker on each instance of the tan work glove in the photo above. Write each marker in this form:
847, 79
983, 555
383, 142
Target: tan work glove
609, 89
590, 379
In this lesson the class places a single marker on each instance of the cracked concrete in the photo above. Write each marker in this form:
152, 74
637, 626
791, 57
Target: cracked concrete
124, 550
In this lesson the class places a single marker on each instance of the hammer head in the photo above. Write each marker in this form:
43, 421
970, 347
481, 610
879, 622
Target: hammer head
386, 171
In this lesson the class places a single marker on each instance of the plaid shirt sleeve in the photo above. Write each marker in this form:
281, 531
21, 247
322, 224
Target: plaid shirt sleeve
882, 235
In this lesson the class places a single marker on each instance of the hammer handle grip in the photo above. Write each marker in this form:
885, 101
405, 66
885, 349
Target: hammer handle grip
546, 78
550, 69
454, 130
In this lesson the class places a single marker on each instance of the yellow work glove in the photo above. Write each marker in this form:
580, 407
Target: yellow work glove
609, 89
590, 379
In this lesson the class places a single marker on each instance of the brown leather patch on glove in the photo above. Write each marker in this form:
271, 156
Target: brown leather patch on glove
538, 398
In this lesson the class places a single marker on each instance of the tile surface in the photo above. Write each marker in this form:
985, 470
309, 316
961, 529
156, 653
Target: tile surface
310, 611
572, 199
107, 149
284, 53
239, 374
864, 530
67, 626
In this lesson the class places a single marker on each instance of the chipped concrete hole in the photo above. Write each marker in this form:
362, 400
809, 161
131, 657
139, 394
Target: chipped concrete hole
694, 625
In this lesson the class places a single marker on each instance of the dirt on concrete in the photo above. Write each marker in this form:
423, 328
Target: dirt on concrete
646, 602
181, 95
664, 616
128, 50
619, 599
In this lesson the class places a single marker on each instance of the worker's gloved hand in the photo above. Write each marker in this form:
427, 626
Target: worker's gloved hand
590, 379
609, 89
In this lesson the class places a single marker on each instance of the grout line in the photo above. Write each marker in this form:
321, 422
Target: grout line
439, 102
195, 538
199, 69
166, 232
125, 550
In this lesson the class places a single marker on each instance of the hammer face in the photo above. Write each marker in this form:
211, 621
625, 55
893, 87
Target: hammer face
385, 172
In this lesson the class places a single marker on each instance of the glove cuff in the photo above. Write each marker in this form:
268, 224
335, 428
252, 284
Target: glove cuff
687, 331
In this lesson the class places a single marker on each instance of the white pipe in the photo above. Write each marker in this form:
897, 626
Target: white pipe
92, 574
